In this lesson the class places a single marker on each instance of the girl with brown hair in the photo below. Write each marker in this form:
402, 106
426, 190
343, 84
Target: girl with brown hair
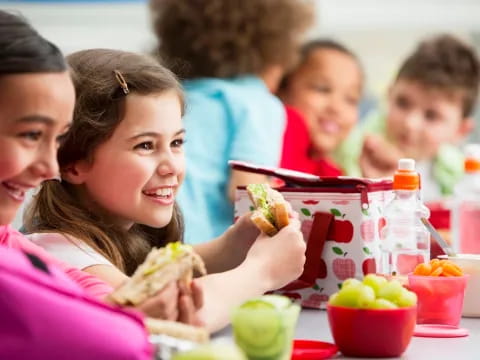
121, 166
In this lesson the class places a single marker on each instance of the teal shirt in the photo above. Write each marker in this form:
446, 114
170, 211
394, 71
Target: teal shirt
447, 165
236, 119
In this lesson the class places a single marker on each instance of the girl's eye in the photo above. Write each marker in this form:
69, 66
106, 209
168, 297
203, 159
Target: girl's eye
178, 143
31, 135
321, 88
147, 145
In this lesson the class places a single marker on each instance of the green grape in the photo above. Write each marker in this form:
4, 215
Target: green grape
406, 298
350, 281
391, 291
332, 300
383, 304
375, 282
355, 296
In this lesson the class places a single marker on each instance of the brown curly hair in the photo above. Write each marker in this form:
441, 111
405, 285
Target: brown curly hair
228, 38
448, 64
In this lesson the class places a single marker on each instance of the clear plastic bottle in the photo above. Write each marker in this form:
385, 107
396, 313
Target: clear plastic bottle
465, 215
405, 240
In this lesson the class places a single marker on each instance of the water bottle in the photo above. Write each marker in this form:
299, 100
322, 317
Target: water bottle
465, 215
405, 240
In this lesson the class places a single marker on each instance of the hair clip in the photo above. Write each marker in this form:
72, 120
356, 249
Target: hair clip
121, 81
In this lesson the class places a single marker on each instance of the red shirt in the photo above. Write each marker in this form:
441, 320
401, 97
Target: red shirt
296, 146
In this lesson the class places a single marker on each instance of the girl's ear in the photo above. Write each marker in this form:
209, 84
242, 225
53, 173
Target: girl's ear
76, 173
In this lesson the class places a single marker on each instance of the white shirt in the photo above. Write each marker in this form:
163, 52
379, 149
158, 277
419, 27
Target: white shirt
69, 250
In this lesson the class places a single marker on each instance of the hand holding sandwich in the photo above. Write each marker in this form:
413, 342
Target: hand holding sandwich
175, 302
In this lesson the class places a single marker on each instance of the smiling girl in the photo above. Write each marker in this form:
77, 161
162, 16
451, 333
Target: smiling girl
121, 166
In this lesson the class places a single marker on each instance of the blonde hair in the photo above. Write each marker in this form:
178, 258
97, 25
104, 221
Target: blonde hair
98, 111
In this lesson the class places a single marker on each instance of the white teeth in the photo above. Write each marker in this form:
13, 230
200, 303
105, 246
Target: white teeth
164, 192
15, 192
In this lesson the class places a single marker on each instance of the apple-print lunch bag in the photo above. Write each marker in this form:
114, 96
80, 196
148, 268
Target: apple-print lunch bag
341, 220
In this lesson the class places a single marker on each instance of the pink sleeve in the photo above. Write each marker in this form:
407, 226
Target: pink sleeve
91, 284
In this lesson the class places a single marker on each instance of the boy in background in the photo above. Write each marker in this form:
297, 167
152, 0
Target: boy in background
430, 108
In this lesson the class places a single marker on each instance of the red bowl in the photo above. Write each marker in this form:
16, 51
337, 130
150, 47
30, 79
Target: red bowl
372, 333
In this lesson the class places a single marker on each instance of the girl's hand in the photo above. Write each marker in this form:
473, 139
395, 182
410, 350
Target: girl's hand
164, 305
189, 303
280, 258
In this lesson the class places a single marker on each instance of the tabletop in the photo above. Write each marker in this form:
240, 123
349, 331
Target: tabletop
313, 324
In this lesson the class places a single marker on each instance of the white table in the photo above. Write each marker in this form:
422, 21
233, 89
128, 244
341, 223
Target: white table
313, 324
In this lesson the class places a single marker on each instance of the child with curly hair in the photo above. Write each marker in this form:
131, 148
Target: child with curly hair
231, 55
430, 108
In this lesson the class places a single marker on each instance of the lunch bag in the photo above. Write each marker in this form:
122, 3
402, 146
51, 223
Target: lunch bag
44, 315
341, 219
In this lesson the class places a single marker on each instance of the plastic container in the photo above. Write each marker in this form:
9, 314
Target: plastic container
266, 332
440, 299
466, 209
471, 266
405, 240
372, 333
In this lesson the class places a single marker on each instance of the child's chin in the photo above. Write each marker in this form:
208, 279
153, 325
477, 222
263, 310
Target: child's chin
157, 222
7, 217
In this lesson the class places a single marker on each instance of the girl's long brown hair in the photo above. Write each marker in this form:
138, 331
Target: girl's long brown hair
98, 111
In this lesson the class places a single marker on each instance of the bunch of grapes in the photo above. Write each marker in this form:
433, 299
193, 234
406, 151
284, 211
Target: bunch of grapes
375, 292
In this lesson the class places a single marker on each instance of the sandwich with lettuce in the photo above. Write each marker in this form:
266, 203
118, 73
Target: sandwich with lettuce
174, 262
270, 212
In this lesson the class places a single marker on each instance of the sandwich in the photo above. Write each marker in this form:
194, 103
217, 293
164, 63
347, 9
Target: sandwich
176, 330
270, 212
174, 262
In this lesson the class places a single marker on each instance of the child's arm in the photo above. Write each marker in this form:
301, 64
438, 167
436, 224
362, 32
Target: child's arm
271, 263
243, 178
229, 249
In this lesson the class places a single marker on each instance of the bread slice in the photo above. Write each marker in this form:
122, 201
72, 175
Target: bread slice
177, 330
174, 262
271, 212
262, 223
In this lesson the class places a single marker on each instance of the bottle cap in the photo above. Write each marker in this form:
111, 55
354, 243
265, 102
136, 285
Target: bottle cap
472, 158
406, 178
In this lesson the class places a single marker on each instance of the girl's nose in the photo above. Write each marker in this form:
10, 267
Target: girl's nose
46, 165
167, 165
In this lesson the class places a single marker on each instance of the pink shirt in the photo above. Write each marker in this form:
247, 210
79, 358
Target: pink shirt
92, 285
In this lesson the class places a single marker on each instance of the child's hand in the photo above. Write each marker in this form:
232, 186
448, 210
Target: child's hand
189, 302
164, 305
280, 258
378, 158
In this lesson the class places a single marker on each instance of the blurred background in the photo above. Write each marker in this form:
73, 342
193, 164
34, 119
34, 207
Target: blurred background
381, 32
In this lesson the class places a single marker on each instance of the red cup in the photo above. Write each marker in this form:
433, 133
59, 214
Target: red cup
440, 299
372, 333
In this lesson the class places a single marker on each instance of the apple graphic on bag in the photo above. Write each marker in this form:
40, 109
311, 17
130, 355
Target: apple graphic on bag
343, 268
340, 230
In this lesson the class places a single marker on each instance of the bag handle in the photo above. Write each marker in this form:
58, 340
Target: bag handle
315, 243
296, 178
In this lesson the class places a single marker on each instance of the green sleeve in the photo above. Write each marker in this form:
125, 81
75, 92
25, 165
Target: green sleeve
348, 153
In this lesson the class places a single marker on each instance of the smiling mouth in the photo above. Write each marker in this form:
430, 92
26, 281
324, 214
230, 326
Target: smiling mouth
14, 191
162, 193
